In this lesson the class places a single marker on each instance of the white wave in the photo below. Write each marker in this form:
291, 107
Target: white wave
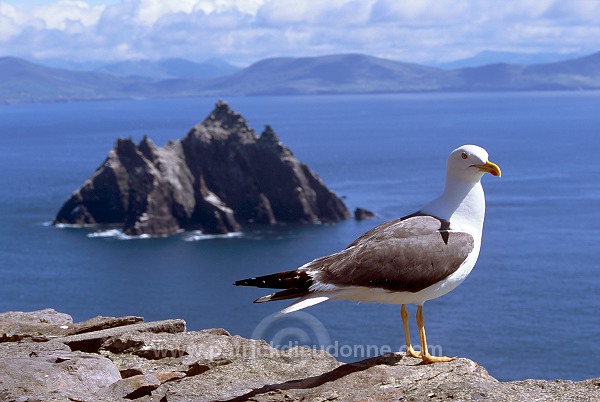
70, 225
197, 236
107, 233
117, 234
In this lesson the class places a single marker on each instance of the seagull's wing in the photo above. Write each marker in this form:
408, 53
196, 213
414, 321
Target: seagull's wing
401, 264
405, 254
409, 226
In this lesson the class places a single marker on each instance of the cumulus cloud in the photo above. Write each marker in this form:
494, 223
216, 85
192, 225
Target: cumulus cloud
64, 12
243, 31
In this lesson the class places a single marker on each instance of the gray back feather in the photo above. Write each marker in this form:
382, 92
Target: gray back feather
407, 254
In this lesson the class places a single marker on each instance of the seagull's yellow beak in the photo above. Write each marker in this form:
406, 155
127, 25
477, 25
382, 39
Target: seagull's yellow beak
489, 167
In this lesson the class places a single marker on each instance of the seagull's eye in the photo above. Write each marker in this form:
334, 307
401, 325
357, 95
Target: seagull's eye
464, 155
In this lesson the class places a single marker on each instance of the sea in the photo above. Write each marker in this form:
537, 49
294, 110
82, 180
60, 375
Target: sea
529, 309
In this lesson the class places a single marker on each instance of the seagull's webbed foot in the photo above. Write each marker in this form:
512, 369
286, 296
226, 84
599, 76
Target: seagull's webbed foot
429, 359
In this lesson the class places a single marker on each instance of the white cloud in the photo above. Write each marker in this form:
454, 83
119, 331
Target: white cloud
243, 31
8, 23
148, 12
58, 15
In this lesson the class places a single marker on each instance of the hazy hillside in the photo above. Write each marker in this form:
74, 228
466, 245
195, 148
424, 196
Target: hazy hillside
345, 73
170, 68
587, 66
22, 81
580, 73
494, 57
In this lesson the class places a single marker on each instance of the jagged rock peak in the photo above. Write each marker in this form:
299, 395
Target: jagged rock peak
125, 146
145, 141
148, 148
269, 135
226, 117
223, 123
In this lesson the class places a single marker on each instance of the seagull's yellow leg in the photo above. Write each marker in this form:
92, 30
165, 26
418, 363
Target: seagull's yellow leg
409, 349
427, 358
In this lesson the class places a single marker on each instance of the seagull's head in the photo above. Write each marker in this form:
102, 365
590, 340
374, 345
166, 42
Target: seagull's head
470, 163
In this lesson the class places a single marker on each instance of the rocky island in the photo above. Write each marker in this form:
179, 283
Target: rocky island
220, 177
45, 356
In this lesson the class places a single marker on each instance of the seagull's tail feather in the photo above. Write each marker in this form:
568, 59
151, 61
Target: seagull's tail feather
294, 283
306, 301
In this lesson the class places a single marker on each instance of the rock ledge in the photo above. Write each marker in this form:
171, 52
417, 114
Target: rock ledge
45, 356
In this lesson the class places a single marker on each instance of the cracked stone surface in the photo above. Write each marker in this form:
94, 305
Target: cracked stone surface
160, 361
39, 325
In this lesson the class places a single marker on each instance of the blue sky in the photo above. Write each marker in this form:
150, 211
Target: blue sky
244, 31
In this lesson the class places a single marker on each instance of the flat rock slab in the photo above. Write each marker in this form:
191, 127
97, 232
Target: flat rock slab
92, 341
31, 349
39, 325
100, 323
46, 374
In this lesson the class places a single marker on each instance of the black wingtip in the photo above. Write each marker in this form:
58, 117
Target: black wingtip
283, 280
245, 282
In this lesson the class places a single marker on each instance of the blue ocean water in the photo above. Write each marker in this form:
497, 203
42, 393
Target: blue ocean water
528, 310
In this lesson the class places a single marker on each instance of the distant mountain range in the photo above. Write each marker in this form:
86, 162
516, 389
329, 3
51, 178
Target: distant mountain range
24, 81
170, 68
493, 57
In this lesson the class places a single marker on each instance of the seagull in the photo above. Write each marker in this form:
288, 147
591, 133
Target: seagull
409, 260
